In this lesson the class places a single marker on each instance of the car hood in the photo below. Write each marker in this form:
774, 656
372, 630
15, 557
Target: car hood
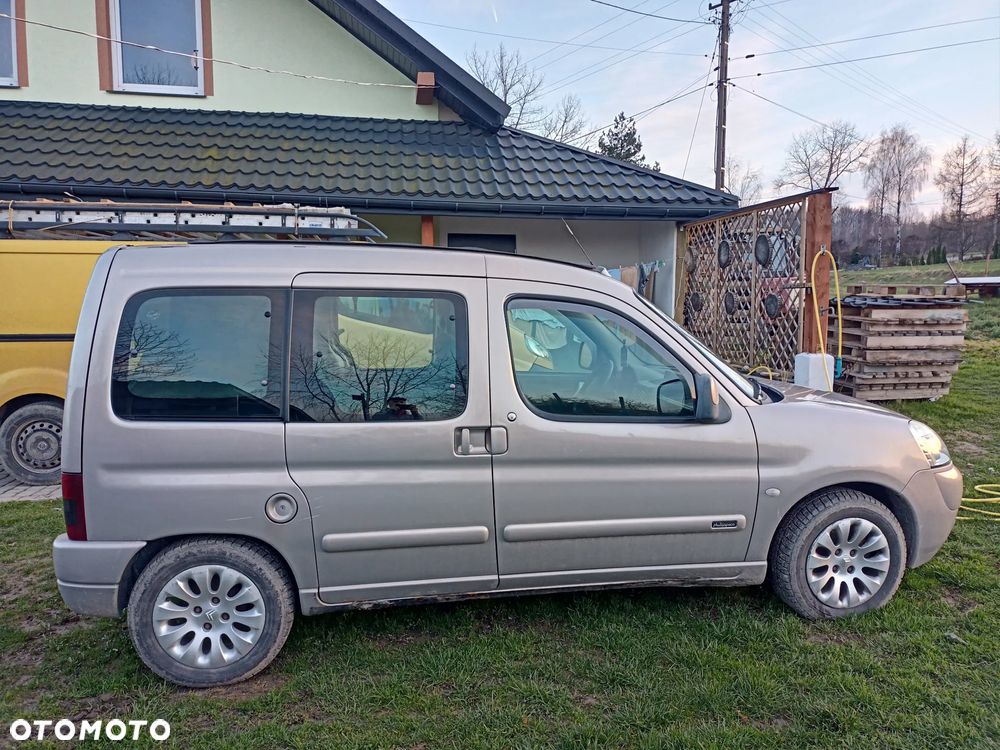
792, 393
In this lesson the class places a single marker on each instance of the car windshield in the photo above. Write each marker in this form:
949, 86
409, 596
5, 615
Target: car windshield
738, 380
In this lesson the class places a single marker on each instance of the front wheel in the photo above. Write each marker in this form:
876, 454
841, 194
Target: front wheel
840, 553
207, 612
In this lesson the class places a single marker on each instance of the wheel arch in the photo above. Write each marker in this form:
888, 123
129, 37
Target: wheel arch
152, 548
27, 399
895, 502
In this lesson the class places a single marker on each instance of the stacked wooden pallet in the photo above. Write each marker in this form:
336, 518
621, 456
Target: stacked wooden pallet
900, 342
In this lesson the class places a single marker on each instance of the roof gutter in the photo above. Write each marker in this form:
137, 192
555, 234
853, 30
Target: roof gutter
405, 206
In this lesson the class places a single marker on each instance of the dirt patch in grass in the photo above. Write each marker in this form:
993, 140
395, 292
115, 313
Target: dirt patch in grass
968, 444
958, 600
835, 639
585, 701
262, 684
98, 707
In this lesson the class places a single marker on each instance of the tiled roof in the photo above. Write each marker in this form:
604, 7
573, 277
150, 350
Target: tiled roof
367, 164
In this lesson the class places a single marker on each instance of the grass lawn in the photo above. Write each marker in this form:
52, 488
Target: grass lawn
653, 668
932, 274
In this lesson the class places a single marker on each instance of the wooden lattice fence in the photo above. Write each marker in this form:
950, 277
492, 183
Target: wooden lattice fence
745, 288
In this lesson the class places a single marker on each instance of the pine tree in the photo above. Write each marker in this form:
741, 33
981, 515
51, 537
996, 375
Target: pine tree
621, 141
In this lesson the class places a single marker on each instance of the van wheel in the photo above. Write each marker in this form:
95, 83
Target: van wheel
207, 612
840, 553
31, 443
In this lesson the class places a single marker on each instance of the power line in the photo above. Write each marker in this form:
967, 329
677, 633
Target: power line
602, 36
640, 113
649, 15
778, 104
849, 79
861, 38
197, 58
587, 31
870, 57
697, 117
599, 67
880, 82
582, 45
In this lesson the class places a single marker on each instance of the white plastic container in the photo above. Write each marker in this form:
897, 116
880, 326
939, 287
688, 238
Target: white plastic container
809, 370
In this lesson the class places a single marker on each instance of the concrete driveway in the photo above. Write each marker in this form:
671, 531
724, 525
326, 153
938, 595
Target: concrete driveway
11, 489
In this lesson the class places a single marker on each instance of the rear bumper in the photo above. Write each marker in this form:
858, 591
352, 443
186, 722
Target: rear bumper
89, 573
934, 495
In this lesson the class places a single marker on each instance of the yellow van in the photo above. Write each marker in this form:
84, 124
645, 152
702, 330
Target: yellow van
42, 284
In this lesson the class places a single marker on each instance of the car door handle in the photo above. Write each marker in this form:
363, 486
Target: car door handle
480, 441
496, 440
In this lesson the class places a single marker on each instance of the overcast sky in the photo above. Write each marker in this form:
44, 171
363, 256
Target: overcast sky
940, 93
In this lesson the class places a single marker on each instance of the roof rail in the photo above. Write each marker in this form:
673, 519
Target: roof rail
181, 221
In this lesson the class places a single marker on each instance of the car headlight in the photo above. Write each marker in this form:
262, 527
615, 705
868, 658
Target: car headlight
930, 443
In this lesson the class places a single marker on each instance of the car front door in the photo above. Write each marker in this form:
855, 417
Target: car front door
388, 433
608, 476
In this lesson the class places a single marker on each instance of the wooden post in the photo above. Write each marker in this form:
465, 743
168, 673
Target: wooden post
426, 230
818, 236
680, 275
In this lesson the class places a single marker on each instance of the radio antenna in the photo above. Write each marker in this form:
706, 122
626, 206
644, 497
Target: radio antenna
579, 244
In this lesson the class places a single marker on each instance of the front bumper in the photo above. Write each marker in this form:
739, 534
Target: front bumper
934, 495
89, 573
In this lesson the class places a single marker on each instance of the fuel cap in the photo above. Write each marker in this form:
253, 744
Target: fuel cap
281, 508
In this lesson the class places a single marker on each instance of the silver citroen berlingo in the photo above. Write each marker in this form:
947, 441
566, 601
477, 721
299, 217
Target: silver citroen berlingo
254, 431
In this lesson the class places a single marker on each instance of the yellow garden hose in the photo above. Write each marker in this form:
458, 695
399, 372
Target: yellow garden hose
982, 489
819, 322
765, 368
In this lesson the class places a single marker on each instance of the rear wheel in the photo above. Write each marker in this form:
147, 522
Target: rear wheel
840, 553
31, 443
209, 612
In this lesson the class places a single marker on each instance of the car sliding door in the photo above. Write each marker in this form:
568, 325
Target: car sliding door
388, 433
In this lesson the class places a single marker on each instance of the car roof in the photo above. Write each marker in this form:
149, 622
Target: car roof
211, 260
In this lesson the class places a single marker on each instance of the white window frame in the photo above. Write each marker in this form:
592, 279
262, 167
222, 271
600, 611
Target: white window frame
118, 78
13, 81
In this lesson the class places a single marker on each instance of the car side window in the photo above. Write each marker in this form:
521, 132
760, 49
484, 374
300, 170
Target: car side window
200, 354
378, 356
582, 361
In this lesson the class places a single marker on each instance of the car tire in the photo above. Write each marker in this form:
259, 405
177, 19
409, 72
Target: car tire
840, 553
31, 443
232, 602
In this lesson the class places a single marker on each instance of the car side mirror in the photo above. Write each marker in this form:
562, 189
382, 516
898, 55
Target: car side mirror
586, 355
706, 392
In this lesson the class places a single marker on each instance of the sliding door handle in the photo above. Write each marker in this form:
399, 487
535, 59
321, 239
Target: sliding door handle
480, 441
496, 440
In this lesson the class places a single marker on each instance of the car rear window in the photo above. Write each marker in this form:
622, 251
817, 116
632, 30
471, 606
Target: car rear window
205, 354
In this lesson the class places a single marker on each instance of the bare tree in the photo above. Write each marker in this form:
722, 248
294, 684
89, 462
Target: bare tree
505, 73
819, 157
995, 194
877, 182
962, 180
909, 164
144, 351
567, 123
743, 180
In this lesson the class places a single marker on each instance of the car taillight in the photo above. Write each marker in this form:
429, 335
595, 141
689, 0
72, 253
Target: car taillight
76, 519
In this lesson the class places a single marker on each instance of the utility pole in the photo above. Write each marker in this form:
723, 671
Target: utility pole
720, 112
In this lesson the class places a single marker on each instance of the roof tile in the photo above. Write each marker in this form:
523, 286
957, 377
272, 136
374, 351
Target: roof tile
348, 160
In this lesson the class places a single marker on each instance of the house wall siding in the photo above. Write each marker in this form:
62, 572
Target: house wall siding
609, 243
288, 35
